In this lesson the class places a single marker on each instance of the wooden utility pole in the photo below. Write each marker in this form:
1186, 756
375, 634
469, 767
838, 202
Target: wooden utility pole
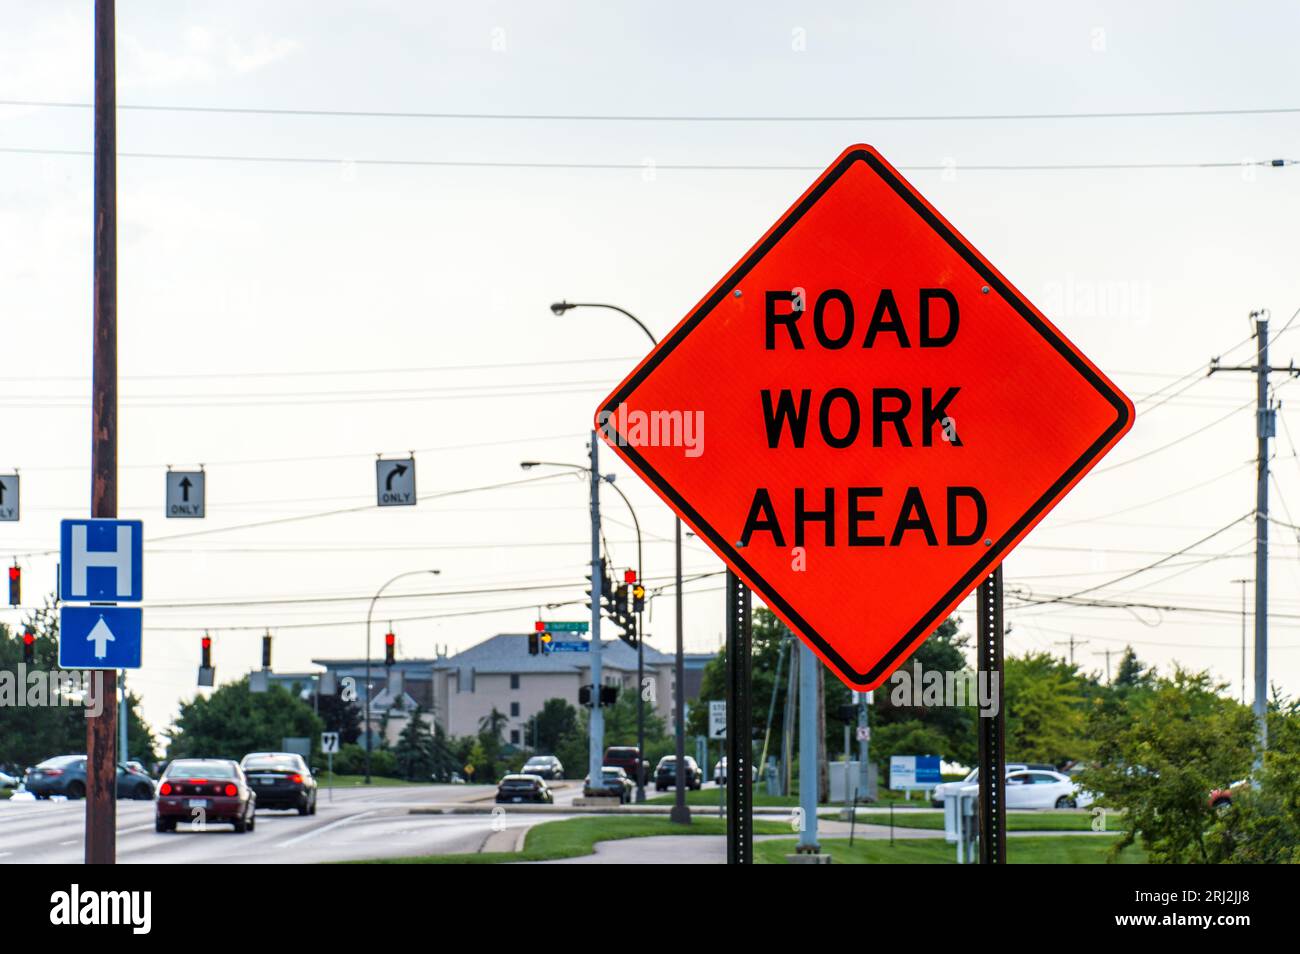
101, 729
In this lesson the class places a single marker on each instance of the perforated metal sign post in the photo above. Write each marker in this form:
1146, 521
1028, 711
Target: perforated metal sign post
740, 798
992, 730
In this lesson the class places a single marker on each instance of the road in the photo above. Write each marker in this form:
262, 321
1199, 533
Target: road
358, 823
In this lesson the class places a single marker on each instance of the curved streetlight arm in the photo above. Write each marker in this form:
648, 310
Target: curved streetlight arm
369, 614
560, 307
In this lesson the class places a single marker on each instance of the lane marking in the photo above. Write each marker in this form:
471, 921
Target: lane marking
320, 831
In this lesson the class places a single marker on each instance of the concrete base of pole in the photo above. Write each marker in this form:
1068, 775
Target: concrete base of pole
680, 814
808, 858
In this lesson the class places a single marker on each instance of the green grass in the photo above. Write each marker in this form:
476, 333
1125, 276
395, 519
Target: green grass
711, 797
575, 837
933, 820
1054, 850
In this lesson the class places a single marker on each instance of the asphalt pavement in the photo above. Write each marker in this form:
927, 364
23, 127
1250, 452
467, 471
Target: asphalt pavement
357, 823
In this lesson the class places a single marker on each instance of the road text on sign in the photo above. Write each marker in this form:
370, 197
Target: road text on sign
717, 719
185, 493
863, 418
396, 482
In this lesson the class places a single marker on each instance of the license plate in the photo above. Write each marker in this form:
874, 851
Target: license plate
516, 799
198, 803
266, 779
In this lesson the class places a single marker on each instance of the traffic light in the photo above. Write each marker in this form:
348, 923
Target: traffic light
206, 659
638, 598
29, 648
606, 584
608, 695
584, 695
266, 651
15, 585
390, 649
534, 643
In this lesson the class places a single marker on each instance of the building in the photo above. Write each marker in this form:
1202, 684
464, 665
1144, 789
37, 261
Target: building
462, 689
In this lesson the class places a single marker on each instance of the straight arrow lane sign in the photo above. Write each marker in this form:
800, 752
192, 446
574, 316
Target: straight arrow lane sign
8, 497
100, 637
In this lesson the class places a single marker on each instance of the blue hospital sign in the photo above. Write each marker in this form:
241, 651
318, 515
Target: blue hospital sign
101, 561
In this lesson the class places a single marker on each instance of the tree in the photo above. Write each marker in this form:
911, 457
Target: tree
415, 749
556, 721
341, 716
1131, 674
1158, 756
1047, 703
234, 721
620, 722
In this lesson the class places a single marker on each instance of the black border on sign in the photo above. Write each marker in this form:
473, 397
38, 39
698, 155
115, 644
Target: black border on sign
992, 555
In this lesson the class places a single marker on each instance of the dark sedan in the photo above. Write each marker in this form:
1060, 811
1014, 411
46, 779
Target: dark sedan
524, 788
666, 773
281, 780
66, 775
613, 782
204, 791
547, 766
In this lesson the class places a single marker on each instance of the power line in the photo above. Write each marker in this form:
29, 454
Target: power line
665, 117
643, 165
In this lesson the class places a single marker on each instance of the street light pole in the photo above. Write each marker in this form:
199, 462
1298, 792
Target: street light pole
681, 813
640, 652
1243, 583
369, 614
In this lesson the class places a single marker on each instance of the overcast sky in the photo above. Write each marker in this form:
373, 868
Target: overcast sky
281, 323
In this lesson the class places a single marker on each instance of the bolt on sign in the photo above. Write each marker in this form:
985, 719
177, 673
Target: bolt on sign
863, 417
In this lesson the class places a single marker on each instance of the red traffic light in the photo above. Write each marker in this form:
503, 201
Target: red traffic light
540, 626
390, 639
207, 642
15, 585
28, 639
629, 576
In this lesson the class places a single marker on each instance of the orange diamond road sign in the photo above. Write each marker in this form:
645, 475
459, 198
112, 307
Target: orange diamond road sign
863, 417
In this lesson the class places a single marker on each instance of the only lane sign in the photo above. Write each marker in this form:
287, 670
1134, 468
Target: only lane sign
863, 417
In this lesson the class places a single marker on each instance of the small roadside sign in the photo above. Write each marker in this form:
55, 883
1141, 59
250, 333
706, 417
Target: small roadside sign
329, 742
8, 497
185, 493
396, 482
864, 733
717, 719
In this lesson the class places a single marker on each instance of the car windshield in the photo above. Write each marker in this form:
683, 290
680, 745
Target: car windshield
540, 760
197, 769
612, 773
61, 761
282, 762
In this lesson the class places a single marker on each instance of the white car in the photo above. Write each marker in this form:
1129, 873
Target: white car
1036, 788
952, 788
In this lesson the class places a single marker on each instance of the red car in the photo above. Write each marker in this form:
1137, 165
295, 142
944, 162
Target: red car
203, 791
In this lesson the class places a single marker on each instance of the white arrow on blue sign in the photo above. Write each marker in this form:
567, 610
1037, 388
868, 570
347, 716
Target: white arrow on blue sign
101, 561
100, 637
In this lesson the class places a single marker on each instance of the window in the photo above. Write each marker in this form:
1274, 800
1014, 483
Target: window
514, 710
514, 736
514, 680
